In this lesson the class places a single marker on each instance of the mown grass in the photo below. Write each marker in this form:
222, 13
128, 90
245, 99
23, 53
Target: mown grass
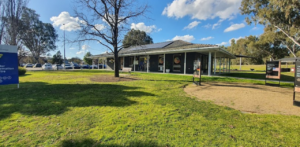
257, 67
285, 76
67, 109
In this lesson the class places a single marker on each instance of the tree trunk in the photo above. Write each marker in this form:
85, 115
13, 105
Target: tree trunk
116, 63
37, 59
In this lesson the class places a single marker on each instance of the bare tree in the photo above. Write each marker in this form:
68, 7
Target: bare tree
2, 22
106, 21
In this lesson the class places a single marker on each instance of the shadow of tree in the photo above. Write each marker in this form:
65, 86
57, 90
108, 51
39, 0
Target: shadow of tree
260, 76
37, 98
93, 143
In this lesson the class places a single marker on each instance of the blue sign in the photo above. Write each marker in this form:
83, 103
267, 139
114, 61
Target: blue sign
8, 65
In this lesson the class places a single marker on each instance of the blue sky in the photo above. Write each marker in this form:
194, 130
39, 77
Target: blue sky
196, 21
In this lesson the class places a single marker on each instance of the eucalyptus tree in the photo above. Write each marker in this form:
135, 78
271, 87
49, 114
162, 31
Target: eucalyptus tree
136, 37
86, 58
106, 22
37, 36
279, 15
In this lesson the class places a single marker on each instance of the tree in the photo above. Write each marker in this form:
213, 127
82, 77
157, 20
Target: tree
2, 22
37, 36
278, 15
75, 60
106, 22
136, 37
57, 58
88, 60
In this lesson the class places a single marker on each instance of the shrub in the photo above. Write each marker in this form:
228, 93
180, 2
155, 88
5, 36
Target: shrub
22, 71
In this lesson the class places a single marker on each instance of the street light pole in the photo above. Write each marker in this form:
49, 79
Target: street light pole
64, 45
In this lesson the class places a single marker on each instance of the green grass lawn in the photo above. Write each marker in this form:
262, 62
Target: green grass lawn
285, 76
67, 109
257, 67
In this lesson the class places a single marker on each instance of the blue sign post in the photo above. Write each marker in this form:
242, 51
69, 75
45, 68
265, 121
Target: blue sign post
9, 65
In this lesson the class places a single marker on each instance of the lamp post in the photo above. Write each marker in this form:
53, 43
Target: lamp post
64, 45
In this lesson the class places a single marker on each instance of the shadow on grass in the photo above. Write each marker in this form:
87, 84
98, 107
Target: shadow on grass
36, 98
260, 76
93, 143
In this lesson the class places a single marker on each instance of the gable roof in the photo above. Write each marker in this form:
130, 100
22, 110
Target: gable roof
165, 47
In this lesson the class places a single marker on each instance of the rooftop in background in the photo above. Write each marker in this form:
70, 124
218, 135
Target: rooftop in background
288, 59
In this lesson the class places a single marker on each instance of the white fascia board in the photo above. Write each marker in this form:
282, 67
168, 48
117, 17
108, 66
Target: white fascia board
8, 49
206, 49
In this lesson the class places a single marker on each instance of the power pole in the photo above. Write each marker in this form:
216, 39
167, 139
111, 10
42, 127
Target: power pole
64, 45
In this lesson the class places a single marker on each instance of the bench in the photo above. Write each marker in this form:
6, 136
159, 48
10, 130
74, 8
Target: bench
127, 69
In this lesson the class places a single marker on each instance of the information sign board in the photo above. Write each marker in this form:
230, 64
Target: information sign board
273, 70
8, 65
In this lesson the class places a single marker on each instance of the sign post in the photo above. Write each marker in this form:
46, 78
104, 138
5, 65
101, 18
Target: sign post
197, 74
9, 73
296, 82
273, 71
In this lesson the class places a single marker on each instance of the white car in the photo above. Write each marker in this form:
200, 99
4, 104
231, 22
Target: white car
57, 67
67, 66
47, 66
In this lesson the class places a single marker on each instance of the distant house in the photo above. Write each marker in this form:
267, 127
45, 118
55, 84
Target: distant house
177, 56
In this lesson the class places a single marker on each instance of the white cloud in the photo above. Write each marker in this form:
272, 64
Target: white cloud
142, 27
192, 25
85, 47
71, 23
188, 38
234, 27
207, 38
223, 43
217, 24
207, 26
72, 48
254, 28
203, 9
80, 52
99, 27
236, 39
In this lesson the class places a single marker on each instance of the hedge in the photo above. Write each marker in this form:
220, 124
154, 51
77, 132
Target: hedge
22, 71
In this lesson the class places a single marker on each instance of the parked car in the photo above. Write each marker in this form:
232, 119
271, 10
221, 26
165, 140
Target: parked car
28, 65
85, 66
67, 66
47, 66
23, 64
37, 65
101, 66
75, 65
95, 67
57, 67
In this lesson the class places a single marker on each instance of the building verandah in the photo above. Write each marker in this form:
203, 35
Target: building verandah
174, 57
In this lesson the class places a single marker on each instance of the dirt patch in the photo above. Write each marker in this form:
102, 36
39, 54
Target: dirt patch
108, 78
248, 97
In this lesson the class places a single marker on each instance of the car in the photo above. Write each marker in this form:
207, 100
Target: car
23, 64
28, 65
67, 66
101, 66
37, 65
85, 66
57, 67
95, 67
75, 66
47, 66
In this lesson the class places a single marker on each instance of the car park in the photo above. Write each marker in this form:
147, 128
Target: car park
37, 65
93, 67
67, 66
75, 66
47, 66
28, 65
85, 66
57, 67
101, 66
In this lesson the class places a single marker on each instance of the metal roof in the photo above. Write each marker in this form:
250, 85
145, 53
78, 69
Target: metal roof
170, 47
288, 59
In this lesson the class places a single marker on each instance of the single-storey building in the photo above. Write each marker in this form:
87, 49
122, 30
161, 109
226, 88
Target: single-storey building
174, 56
